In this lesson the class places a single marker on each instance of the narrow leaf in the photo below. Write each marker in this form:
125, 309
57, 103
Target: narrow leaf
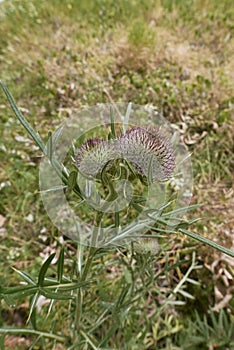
25, 276
33, 305
186, 294
15, 330
113, 135
60, 265
72, 179
192, 281
57, 296
176, 302
49, 147
22, 119
126, 117
19, 292
2, 342
57, 134
181, 210
73, 286
44, 269
208, 242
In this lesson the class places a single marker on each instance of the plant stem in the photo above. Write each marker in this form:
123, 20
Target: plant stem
11, 330
79, 296
83, 275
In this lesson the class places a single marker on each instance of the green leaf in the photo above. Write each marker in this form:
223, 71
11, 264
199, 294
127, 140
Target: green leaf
22, 119
89, 340
207, 242
150, 172
25, 276
15, 330
192, 281
19, 292
51, 283
9, 300
109, 334
54, 188
168, 268
60, 265
34, 343
181, 210
61, 170
126, 117
72, 179
33, 304
117, 219
131, 168
50, 307
137, 207
186, 294
57, 135
176, 302
44, 269
121, 298
113, 134
72, 286
49, 146
2, 341
57, 296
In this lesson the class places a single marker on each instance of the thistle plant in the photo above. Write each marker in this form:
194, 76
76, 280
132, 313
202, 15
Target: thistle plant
112, 173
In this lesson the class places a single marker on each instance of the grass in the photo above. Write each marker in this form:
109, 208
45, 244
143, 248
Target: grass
177, 55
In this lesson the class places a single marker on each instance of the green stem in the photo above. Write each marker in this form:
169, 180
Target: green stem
11, 330
84, 274
79, 297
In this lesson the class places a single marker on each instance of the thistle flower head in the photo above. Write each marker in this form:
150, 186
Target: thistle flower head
93, 155
149, 152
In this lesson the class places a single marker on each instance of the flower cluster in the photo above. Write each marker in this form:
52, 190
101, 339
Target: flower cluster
150, 153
